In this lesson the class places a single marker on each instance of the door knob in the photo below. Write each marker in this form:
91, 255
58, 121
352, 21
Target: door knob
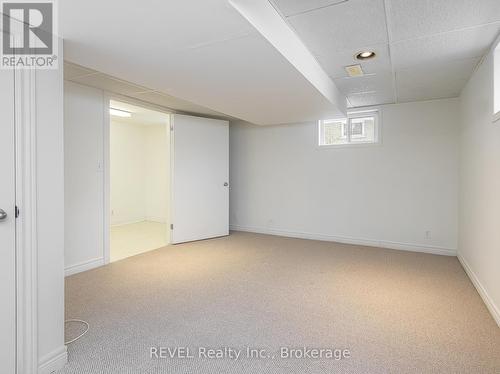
3, 215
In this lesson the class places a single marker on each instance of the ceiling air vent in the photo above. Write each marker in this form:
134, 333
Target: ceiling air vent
354, 70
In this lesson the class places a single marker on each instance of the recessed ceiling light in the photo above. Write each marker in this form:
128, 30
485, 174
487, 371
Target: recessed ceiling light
365, 55
119, 113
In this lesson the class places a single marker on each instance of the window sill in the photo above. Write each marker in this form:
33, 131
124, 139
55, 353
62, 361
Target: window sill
350, 145
496, 117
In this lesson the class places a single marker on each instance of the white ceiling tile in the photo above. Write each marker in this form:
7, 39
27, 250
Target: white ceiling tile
334, 62
204, 52
174, 103
346, 26
83, 75
415, 18
165, 25
263, 90
453, 46
370, 99
110, 84
434, 81
369, 83
368, 90
295, 7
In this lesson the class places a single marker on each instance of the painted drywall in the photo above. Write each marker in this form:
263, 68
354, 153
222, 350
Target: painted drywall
50, 217
128, 173
84, 136
83, 164
139, 172
479, 234
400, 194
157, 173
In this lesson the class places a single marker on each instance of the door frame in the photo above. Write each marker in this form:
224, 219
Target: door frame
106, 201
26, 222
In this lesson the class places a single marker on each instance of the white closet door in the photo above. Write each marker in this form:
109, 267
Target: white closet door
200, 178
7, 225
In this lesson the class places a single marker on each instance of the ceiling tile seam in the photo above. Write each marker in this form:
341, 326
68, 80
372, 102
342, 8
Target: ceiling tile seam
348, 77
371, 106
168, 96
445, 32
362, 93
84, 75
144, 102
132, 85
443, 60
407, 101
345, 50
315, 9
127, 96
144, 92
389, 39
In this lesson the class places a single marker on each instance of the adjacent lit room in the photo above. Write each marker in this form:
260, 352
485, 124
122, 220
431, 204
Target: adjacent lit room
139, 152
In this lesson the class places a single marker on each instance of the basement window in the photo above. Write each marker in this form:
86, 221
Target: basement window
357, 128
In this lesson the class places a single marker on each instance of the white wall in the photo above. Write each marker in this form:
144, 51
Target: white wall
387, 195
84, 183
139, 172
158, 172
479, 239
50, 217
128, 173
84, 137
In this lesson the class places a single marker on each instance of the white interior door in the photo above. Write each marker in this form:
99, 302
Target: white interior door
7, 225
200, 178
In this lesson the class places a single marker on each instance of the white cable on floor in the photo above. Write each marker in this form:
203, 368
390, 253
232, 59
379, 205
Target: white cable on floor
79, 336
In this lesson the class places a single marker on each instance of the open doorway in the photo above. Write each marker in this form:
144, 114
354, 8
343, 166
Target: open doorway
139, 179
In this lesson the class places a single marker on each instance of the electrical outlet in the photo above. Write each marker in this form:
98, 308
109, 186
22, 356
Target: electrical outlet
428, 234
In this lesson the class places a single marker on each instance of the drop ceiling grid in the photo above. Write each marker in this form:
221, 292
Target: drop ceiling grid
414, 40
438, 43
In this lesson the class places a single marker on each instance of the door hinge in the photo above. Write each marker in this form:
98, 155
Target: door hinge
17, 211
171, 226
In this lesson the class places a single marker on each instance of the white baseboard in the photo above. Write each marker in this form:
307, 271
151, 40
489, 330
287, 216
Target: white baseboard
139, 220
128, 222
157, 219
347, 240
83, 266
490, 304
53, 361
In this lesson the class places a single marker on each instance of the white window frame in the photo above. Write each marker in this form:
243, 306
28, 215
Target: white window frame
362, 135
496, 81
345, 129
347, 123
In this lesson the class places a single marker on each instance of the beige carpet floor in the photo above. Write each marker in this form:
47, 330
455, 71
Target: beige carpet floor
135, 238
396, 312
